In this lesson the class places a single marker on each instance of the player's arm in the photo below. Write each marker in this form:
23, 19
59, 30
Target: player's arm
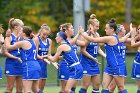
57, 54
74, 40
134, 43
15, 46
133, 39
37, 43
11, 56
80, 43
104, 39
50, 47
124, 39
6, 53
84, 52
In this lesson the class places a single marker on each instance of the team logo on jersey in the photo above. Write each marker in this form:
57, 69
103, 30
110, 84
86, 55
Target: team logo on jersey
62, 76
7, 72
138, 76
84, 71
43, 49
92, 43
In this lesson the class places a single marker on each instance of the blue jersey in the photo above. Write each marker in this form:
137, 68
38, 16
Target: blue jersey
15, 52
43, 50
30, 65
136, 67
90, 67
74, 47
74, 67
43, 47
13, 66
70, 57
63, 66
70, 66
92, 49
113, 55
29, 54
123, 50
137, 58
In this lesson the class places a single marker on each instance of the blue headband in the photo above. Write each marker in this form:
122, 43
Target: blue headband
62, 35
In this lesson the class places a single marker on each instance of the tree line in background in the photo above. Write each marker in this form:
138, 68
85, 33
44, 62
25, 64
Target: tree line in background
55, 12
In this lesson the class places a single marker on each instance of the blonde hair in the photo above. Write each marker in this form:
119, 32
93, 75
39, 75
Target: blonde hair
1, 29
44, 27
93, 20
92, 16
15, 22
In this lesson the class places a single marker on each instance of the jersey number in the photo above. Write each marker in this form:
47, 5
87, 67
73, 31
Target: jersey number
34, 51
95, 49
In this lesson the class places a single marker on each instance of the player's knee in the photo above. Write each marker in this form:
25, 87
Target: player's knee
120, 87
67, 90
104, 85
96, 85
86, 85
112, 88
10, 88
19, 89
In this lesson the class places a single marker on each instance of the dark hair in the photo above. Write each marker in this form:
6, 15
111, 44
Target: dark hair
112, 24
28, 31
65, 26
60, 27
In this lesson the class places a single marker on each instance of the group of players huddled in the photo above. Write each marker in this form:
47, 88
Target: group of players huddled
27, 56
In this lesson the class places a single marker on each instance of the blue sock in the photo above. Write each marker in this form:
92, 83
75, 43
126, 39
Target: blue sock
73, 89
61, 92
29, 92
110, 92
82, 90
105, 91
6, 92
95, 91
123, 91
40, 91
138, 91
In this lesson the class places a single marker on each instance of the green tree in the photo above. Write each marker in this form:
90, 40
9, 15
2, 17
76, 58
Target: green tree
37, 12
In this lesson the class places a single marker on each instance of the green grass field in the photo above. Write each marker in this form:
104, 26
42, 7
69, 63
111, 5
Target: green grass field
55, 89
